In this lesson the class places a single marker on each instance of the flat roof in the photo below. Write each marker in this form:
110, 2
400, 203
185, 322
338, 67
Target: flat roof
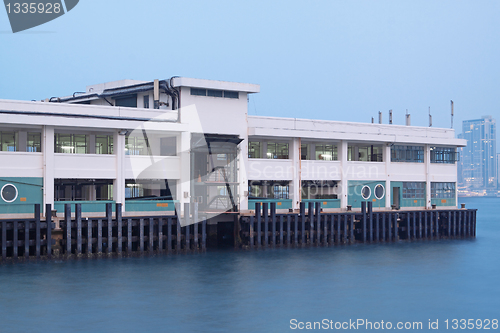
213, 84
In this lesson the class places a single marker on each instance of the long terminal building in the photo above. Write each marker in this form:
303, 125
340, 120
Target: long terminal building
149, 145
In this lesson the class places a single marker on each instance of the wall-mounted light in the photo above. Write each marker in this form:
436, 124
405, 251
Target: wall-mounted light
123, 132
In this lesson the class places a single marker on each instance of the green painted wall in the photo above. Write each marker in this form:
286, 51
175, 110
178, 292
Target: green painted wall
444, 202
325, 203
354, 197
280, 203
150, 205
29, 193
87, 206
406, 202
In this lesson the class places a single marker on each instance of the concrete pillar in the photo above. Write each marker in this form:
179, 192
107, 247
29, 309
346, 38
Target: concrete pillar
48, 164
23, 140
92, 144
242, 174
343, 174
184, 185
387, 160
427, 161
119, 181
296, 173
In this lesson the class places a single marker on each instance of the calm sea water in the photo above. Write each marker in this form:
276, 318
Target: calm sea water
261, 291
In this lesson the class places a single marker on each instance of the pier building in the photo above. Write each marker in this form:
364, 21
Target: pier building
148, 145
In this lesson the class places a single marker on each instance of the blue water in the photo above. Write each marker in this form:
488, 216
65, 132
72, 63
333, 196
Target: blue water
261, 291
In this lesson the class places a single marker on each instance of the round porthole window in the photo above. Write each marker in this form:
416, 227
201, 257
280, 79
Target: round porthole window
8, 193
366, 192
379, 191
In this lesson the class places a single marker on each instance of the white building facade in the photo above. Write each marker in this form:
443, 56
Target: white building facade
149, 145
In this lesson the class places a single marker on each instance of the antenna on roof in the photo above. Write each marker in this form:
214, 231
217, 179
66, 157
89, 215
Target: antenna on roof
372, 120
390, 116
430, 117
408, 119
380, 117
451, 114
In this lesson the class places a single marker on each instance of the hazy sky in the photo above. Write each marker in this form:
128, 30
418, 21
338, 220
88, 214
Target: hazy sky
338, 60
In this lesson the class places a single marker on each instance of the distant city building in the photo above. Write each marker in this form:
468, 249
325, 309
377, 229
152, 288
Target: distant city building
478, 166
498, 172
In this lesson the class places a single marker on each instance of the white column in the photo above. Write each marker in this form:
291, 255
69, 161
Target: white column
119, 181
23, 140
296, 173
48, 164
242, 174
343, 174
427, 161
387, 160
184, 151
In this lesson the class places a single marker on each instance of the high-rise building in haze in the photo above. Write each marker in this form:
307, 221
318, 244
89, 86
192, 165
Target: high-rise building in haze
478, 163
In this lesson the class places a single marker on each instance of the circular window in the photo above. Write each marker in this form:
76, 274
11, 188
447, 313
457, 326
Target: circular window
379, 191
366, 192
8, 193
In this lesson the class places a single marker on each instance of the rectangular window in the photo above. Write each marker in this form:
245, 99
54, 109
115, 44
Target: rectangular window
365, 153
149, 189
231, 94
442, 190
129, 101
303, 151
34, 143
214, 93
135, 145
168, 146
9, 141
444, 155
198, 92
268, 189
71, 143
146, 101
407, 154
326, 152
83, 189
413, 190
254, 150
277, 150
104, 144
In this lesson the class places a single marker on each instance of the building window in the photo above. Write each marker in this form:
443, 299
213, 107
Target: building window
71, 143
277, 150
254, 150
407, 154
168, 146
379, 191
135, 145
231, 94
303, 151
83, 189
149, 189
9, 193
269, 189
413, 190
319, 189
366, 192
214, 93
34, 142
365, 153
146, 101
444, 155
129, 101
9, 141
442, 190
104, 144
326, 152
198, 92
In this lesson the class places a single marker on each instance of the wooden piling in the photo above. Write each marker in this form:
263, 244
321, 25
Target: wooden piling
129, 235
288, 229
273, 224
258, 217
325, 230
408, 224
303, 222
109, 218
141, 235
37, 232
332, 228
396, 228
339, 223
414, 225
204, 235
317, 219
15, 239
89, 236
377, 227
281, 230
187, 223
4, 239
195, 226
250, 231
119, 222
310, 212
99, 236
169, 235
344, 239
351, 228
389, 227
296, 230
78, 219
48, 234
363, 223
370, 220
160, 234
265, 213
179, 235
151, 235
383, 226
26, 239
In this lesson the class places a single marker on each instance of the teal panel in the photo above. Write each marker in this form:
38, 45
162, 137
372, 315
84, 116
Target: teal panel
29, 193
444, 202
87, 206
280, 203
354, 197
325, 203
406, 202
150, 205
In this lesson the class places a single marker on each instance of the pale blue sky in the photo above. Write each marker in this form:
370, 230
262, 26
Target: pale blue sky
338, 60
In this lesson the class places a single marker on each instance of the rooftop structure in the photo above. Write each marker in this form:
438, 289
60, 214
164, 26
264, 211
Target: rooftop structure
149, 145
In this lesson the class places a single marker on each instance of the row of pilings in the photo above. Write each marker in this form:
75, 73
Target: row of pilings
112, 235
267, 228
